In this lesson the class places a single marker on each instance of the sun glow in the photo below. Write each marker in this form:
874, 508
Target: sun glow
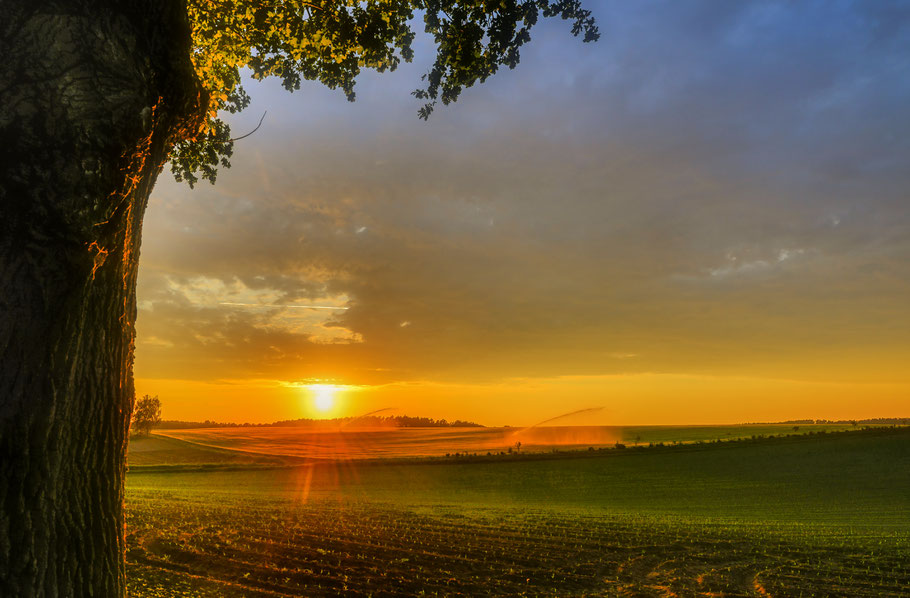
323, 396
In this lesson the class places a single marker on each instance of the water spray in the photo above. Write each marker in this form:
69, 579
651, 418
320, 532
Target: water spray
365, 415
558, 417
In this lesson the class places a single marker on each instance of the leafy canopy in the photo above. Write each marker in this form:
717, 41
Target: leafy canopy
332, 40
146, 414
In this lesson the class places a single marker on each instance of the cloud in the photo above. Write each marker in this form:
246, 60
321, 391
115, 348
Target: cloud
565, 217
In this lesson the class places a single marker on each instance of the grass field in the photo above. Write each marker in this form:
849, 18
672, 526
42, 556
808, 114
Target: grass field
809, 515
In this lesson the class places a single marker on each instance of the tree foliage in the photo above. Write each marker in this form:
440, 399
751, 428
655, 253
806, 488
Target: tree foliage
146, 414
331, 41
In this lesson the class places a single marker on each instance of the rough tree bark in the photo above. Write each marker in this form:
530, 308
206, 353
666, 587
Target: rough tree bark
92, 94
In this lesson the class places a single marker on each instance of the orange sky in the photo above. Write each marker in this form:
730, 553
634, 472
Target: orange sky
627, 400
702, 218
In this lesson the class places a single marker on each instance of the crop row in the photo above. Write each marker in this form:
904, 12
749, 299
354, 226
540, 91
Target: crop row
328, 548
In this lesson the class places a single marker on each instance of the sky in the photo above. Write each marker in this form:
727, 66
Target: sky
702, 218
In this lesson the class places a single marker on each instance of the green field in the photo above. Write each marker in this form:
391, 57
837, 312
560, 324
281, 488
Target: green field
807, 515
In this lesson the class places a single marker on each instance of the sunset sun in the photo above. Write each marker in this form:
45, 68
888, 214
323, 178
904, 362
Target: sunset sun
323, 396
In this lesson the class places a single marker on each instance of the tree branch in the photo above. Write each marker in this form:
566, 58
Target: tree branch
251, 132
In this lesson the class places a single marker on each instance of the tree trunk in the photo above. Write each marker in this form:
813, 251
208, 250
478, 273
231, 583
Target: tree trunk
92, 95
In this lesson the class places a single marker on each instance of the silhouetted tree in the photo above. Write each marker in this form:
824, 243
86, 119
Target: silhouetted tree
96, 96
146, 414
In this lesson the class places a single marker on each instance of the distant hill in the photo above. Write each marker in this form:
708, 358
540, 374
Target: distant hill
392, 421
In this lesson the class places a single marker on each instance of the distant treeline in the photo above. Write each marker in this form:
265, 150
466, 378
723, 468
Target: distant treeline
397, 421
392, 421
891, 421
175, 424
